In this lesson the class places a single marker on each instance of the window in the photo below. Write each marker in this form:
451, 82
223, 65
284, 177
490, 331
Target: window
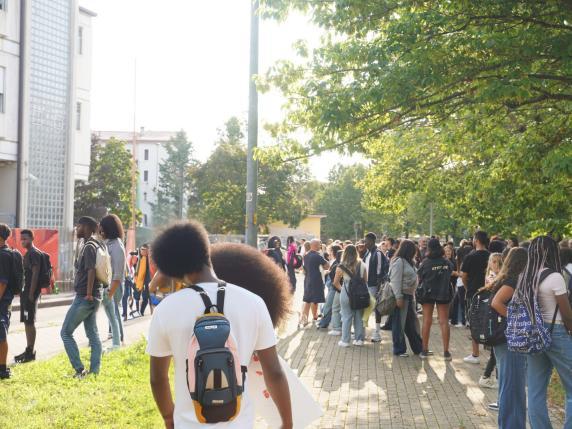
3, 4
78, 116
144, 196
144, 220
145, 176
146, 154
2, 86
79, 40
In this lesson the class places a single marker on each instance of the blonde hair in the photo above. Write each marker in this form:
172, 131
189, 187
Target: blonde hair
350, 257
494, 257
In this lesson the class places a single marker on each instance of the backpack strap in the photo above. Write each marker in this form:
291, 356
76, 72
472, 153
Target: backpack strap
207, 301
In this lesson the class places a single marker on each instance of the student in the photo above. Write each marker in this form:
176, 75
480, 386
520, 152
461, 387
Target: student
143, 277
88, 295
313, 281
328, 306
553, 301
6, 296
511, 365
30, 295
291, 252
377, 267
111, 230
403, 280
183, 252
473, 273
275, 252
435, 280
336, 322
493, 269
350, 262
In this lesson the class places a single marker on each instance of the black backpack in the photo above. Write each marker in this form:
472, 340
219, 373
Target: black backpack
569, 286
16, 278
357, 291
487, 326
46, 270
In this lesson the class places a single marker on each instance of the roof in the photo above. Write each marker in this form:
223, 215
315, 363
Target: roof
146, 136
87, 11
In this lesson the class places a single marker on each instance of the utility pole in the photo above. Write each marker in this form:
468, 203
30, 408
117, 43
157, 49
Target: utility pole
251, 164
431, 219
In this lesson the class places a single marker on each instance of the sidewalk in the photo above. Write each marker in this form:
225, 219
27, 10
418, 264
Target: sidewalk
48, 300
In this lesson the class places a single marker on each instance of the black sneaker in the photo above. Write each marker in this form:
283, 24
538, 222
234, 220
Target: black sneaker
494, 406
424, 355
25, 357
430, 353
5, 374
81, 374
447, 356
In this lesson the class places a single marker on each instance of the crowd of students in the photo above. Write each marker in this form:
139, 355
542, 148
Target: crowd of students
429, 274
422, 275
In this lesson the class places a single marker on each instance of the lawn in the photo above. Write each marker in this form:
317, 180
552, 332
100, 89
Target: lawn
44, 394
556, 394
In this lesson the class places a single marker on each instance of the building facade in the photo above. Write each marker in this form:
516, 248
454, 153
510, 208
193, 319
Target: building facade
45, 64
150, 152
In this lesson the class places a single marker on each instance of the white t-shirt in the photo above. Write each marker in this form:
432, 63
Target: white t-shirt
549, 289
171, 330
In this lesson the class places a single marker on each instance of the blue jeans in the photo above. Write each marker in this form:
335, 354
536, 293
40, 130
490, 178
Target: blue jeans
458, 313
109, 307
349, 315
404, 324
336, 323
539, 371
327, 309
117, 299
82, 310
512, 387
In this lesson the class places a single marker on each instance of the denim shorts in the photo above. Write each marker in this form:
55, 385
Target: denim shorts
5, 313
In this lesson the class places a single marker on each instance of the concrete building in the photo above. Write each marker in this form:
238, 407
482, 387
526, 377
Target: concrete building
310, 227
45, 64
150, 153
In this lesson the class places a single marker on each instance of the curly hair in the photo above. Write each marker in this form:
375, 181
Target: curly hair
183, 248
250, 269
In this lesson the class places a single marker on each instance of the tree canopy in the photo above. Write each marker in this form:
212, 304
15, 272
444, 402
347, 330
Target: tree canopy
176, 180
465, 102
221, 187
108, 188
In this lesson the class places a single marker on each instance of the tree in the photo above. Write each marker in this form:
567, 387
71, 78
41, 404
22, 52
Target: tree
108, 188
221, 186
176, 180
467, 102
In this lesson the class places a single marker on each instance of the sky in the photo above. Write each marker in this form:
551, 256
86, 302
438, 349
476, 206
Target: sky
191, 62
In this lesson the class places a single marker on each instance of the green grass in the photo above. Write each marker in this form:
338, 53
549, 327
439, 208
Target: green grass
556, 393
44, 394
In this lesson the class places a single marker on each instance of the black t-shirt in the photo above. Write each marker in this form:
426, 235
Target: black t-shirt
475, 265
312, 263
85, 262
32, 258
510, 283
6, 264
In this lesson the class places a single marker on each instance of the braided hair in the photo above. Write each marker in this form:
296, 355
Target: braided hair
542, 253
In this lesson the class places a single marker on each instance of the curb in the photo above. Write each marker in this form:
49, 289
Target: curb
46, 304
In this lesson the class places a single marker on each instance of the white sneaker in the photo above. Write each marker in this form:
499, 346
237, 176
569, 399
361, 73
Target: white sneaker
358, 343
342, 344
376, 337
488, 382
472, 359
459, 325
335, 333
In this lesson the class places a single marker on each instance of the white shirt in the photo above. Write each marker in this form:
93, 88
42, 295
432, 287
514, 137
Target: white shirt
549, 289
171, 330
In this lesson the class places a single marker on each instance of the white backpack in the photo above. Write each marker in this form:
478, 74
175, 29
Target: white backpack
103, 273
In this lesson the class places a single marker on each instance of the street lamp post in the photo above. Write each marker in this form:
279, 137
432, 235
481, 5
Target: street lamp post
251, 164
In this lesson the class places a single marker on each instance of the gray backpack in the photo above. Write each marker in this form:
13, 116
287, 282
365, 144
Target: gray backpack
385, 301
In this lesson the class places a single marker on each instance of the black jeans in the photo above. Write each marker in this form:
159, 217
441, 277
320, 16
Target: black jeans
491, 364
145, 295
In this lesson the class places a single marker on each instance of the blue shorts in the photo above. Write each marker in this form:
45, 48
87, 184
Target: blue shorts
5, 313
